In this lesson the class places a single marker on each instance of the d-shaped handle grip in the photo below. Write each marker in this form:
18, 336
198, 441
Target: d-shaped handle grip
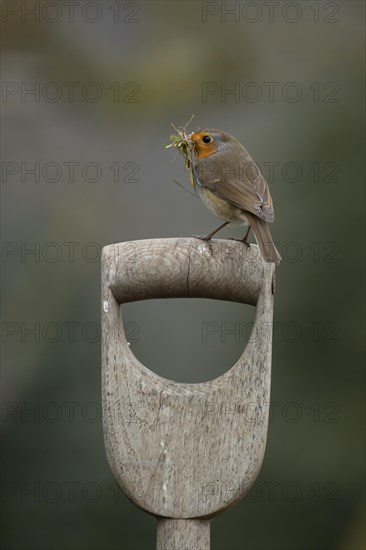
189, 268
185, 450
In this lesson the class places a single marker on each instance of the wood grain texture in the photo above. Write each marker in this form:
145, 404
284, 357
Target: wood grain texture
189, 268
183, 534
185, 450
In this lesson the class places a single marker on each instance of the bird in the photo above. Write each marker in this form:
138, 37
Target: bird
231, 185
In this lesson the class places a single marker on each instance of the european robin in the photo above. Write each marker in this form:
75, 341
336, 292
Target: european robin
231, 185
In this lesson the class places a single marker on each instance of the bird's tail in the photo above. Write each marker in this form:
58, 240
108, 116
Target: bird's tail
263, 238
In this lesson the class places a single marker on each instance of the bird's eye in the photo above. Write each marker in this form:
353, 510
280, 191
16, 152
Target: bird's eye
206, 139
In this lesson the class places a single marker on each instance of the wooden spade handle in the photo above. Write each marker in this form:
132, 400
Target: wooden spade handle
185, 452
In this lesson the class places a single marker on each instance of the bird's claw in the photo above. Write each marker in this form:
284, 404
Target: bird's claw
202, 238
244, 241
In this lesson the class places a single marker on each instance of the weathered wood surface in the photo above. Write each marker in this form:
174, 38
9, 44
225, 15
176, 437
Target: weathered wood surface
185, 450
183, 534
186, 268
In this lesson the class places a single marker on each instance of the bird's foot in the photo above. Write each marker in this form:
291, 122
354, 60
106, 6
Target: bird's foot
205, 238
244, 241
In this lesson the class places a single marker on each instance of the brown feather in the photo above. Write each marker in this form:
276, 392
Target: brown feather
263, 238
233, 175
232, 186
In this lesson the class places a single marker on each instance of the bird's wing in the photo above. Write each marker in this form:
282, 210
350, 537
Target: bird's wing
240, 182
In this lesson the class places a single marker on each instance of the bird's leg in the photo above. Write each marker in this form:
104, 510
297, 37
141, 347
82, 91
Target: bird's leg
210, 235
244, 239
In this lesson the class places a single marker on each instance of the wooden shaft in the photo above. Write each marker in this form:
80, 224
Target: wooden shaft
185, 451
183, 534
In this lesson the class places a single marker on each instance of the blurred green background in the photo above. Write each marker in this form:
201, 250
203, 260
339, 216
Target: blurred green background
107, 80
